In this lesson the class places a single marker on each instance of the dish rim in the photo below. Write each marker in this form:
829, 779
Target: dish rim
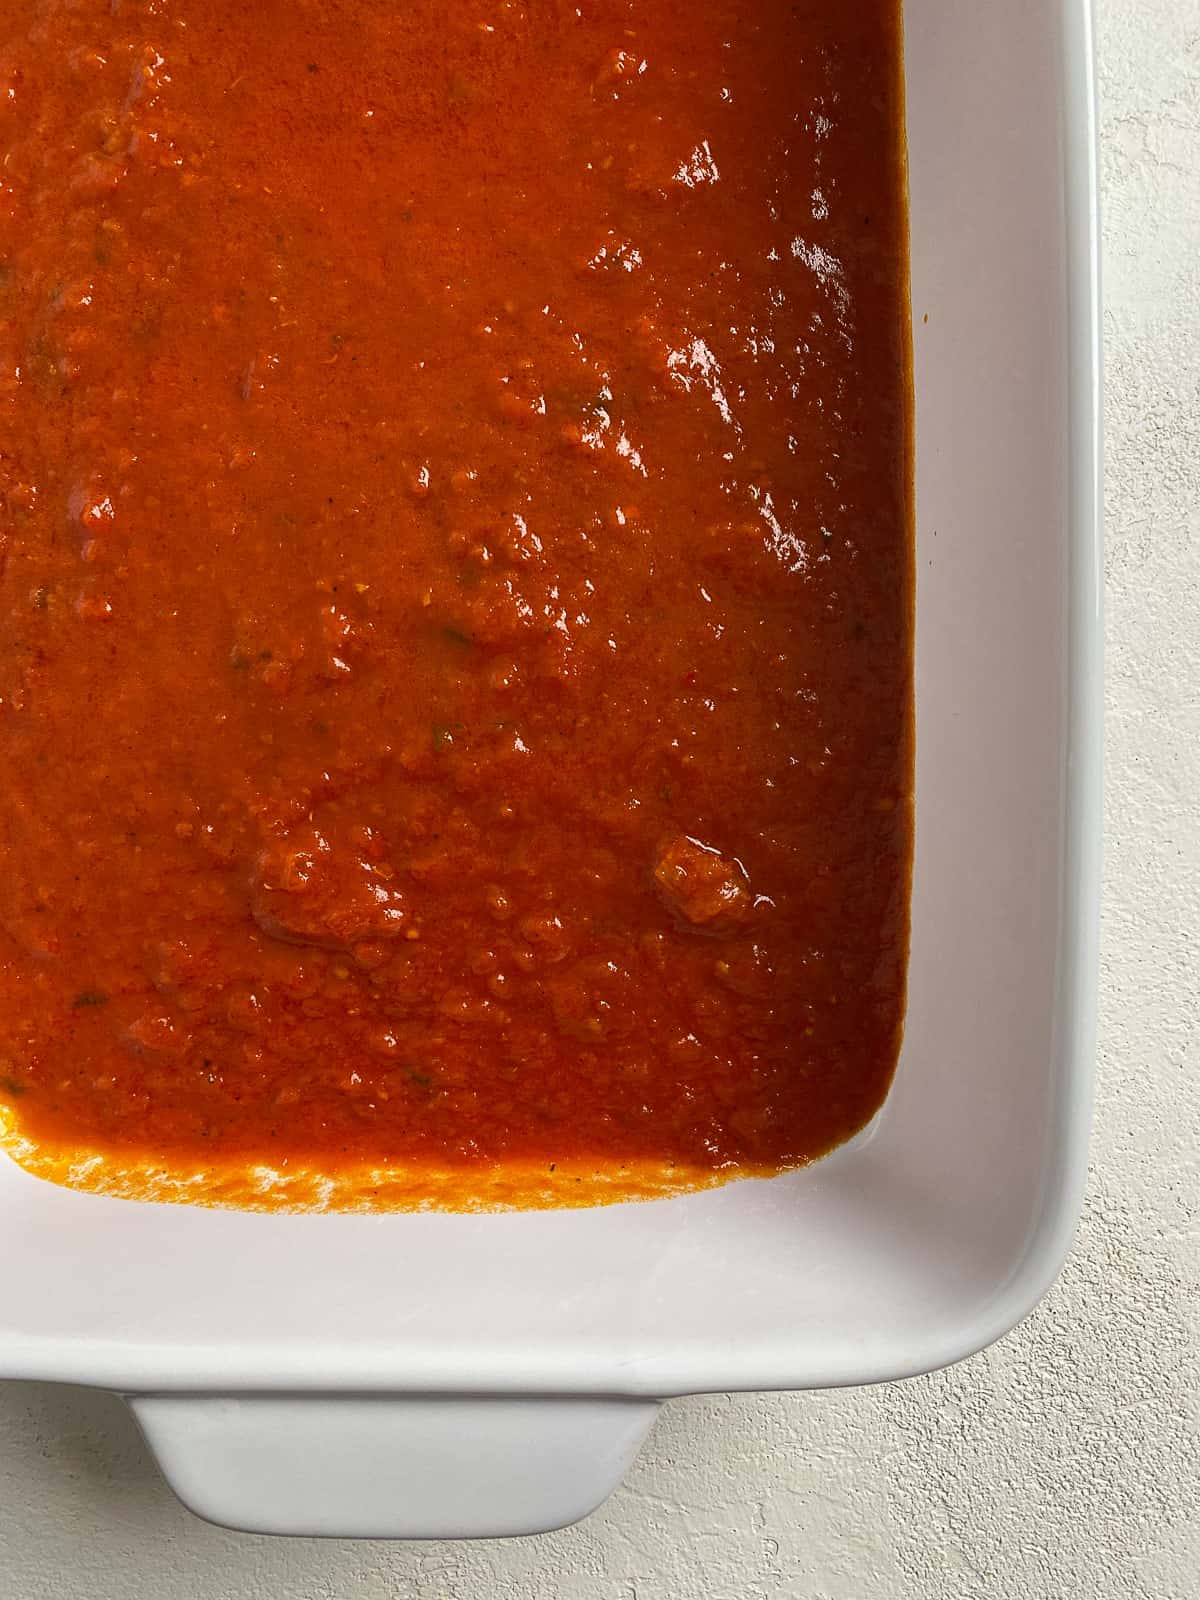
150, 1367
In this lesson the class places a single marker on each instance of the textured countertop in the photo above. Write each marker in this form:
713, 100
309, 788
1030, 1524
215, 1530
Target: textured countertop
1064, 1461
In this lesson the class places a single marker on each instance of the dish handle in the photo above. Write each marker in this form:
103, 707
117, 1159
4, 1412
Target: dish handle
392, 1466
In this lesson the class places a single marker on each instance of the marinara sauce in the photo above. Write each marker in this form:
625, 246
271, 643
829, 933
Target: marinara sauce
455, 612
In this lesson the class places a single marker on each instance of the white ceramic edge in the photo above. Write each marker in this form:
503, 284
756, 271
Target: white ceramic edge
204, 1371
1074, 1040
429, 1467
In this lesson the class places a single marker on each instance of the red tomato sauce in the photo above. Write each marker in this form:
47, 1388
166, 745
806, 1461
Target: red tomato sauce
455, 581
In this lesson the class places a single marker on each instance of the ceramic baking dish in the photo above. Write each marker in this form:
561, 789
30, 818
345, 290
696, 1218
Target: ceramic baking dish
405, 1375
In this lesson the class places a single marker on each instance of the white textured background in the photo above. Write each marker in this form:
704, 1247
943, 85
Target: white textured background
1065, 1461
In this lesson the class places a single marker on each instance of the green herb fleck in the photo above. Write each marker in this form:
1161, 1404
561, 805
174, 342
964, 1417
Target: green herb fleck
458, 637
89, 997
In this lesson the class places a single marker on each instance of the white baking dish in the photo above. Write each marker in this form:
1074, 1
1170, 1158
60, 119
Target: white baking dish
494, 1374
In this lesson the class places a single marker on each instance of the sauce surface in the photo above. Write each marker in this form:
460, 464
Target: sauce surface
455, 582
